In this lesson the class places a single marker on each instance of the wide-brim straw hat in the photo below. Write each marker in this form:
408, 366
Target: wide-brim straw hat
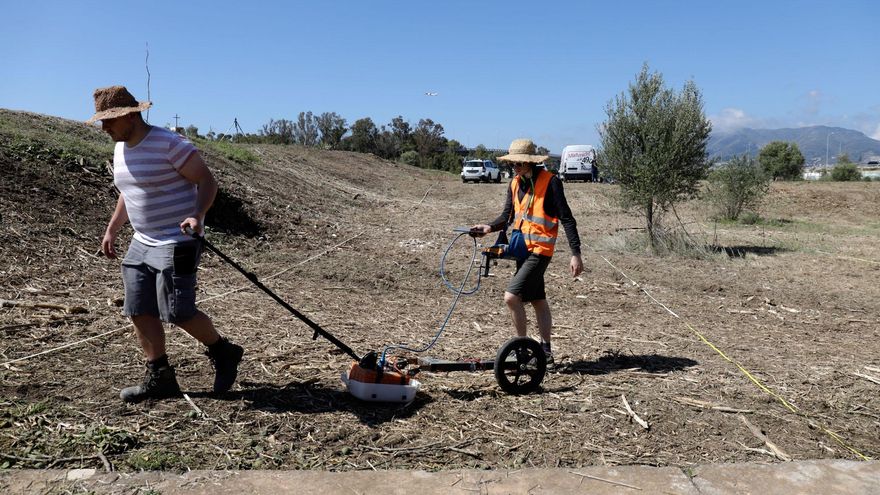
115, 101
523, 151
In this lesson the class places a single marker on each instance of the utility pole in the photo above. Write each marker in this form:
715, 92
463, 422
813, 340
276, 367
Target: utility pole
826, 148
175, 121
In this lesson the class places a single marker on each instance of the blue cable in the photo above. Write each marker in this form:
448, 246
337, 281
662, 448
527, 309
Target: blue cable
457, 291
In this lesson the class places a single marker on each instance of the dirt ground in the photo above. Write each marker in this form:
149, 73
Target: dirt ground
354, 242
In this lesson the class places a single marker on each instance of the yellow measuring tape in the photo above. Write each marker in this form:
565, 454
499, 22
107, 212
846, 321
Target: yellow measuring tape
746, 372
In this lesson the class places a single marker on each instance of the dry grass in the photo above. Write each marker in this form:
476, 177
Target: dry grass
799, 317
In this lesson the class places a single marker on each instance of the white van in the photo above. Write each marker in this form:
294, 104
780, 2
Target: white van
578, 162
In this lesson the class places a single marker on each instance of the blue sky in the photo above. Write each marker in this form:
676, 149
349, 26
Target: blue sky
502, 69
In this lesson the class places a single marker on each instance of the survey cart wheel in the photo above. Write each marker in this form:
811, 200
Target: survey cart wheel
520, 365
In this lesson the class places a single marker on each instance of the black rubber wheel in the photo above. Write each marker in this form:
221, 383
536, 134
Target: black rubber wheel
520, 365
498, 179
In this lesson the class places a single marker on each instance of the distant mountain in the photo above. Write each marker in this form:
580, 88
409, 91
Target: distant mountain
810, 140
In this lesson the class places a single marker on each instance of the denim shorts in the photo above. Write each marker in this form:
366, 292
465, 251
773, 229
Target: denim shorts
528, 281
161, 280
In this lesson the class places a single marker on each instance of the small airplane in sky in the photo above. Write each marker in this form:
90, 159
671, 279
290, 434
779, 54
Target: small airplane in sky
431, 94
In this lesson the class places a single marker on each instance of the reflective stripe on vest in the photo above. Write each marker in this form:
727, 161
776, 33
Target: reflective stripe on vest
539, 229
538, 238
549, 224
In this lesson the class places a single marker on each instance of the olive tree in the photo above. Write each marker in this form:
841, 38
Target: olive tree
654, 145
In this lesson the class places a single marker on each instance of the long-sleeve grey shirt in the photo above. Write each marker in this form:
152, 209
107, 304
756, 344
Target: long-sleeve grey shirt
555, 205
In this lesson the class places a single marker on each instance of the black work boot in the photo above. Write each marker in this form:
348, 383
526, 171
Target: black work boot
160, 382
551, 364
225, 357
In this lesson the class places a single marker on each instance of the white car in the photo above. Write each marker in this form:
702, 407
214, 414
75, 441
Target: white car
480, 171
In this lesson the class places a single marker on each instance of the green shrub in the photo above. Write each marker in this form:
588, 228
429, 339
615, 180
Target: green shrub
410, 158
750, 218
843, 172
449, 162
782, 160
737, 186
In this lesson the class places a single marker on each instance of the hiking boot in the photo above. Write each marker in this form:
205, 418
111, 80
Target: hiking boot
159, 383
225, 357
551, 364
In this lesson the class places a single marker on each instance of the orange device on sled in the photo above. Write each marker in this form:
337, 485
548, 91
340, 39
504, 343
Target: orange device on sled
386, 376
380, 384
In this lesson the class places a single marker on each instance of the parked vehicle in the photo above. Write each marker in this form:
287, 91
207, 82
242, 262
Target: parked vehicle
480, 171
578, 162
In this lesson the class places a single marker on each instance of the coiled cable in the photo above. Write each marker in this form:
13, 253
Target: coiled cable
458, 291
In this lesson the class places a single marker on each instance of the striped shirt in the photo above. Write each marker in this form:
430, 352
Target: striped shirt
157, 198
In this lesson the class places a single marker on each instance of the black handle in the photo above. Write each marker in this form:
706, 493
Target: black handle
253, 278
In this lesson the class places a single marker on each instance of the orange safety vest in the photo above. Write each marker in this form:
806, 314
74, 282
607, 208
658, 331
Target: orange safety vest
539, 229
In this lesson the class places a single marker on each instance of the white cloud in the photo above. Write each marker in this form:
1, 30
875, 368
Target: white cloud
731, 119
806, 113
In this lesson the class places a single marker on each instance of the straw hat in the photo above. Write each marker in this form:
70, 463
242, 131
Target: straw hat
522, 150
115, 101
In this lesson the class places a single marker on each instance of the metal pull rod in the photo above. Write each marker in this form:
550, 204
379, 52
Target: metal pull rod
253, 278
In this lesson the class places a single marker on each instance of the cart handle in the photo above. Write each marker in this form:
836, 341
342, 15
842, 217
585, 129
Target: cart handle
253, 278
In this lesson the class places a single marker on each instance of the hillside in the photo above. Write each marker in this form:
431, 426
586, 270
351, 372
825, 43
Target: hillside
292, 193
354, 242
811, 141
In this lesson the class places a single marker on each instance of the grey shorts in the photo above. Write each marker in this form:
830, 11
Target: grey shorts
161, 280
528, 281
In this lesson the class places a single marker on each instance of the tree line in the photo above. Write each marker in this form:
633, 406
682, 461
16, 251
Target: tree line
653, 144
424, 145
